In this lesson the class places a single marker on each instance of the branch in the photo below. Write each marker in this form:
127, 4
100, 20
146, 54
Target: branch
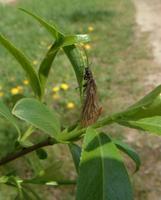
24, 151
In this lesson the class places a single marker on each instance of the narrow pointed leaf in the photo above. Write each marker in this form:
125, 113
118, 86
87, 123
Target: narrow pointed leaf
37, 114
76, 58
25, 63
50, 28
35, 196
130, 152
73, 53
48, 175
47, 63
76, 153
5, 112
150, 124
102, 174
34, 163
148, 106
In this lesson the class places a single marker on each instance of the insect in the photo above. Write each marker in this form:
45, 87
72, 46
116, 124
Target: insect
90, 110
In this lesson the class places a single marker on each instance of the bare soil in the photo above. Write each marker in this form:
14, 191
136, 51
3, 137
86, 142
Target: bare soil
7, 1
148, 18
148, 180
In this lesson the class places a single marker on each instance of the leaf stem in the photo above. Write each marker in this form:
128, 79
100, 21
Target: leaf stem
28, 132
49, 141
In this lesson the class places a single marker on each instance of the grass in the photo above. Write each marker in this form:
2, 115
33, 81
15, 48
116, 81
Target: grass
113, 34
114, 54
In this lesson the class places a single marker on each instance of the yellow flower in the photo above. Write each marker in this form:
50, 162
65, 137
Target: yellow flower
70, 105
14, 91
87, 46
90, 28
1, 94
20, 88
43, 43
56, 96
25, 82
49, 46
35, 62
56, 89
12, 78
64, 86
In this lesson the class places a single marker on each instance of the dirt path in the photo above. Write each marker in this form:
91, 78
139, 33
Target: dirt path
148, 180
7, 1
148, 18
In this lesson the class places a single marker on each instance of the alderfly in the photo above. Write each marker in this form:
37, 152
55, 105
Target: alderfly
91, 110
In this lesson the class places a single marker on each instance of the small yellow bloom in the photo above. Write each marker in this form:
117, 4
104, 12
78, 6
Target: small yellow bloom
35, 62
87, 46
90, 29
56, 89
56, 96
49, 46
1, 94
17, 90
70, 105
20, 88
12, 78
64, 86
43, 43
14, 91
25, 82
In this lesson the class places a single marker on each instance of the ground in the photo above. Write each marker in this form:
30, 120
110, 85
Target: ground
130, 56
147, 19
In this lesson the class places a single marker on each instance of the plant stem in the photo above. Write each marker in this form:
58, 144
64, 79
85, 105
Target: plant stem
64, 137
78, 132
49, 141
28, 132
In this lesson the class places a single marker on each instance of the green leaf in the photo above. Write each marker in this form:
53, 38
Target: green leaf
33, 194
42, 154
145, 114
48, 176
75, 39
5, 112
76, 58
50, 28
25, 63
34, 163
27, 194
37, 114
74, 54
76, 153
151, 124
3, 179
22, 196
129, 151
147, 107
47, 63
103, 175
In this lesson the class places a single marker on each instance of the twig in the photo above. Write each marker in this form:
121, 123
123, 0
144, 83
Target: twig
24, 151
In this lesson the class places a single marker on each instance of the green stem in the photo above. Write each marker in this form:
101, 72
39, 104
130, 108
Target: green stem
53, 183
28, 132
77, 133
